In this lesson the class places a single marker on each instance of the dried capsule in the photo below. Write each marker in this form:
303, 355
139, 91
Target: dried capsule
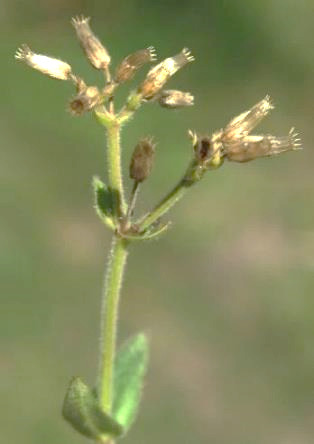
54, 68
161, 73
252, 147
247, 121
86, 99
142, 160
96, 53
203, 148
133, 62
172, 98
208, 150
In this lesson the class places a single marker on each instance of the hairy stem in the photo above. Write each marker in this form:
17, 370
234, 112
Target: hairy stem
109, 317
114, 162
114, 274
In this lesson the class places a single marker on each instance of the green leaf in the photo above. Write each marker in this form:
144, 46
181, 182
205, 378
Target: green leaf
104, 202
130, 368
82, 411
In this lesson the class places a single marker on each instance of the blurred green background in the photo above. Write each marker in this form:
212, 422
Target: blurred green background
227, 295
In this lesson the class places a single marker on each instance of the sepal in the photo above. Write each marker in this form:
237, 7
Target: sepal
103, 202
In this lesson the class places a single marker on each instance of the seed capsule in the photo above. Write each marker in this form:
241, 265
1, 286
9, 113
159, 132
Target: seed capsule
244, 123
96, 53
203, 149
252, 147
54, 68
86, 99
142, 160
161, 73
172, 98
133, 62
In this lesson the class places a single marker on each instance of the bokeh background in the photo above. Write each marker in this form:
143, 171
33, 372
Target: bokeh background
227, 295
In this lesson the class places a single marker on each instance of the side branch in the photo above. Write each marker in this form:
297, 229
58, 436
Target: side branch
164, 205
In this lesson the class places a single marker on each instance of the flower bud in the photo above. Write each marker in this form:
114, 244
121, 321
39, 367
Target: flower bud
252, 147
245, 122
142, 160
51, 67
93, 48
161, 73
172, 98
86, 99
133, 62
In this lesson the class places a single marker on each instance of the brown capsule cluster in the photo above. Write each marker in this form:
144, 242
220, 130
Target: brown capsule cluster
96, 53
235, 143
161, 73
133, 62
87, 97
142, 160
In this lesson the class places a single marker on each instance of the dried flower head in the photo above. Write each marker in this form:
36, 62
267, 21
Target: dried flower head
172, 98
96, 53
142, 160
133, 62
51, 67
247, 121
161, 73
86, 99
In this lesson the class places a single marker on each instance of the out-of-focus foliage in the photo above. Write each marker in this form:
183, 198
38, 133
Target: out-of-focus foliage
226, 296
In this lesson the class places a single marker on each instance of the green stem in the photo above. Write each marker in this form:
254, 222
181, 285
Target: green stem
134, 101
114, 163
165, 204
109, 317
194, 174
